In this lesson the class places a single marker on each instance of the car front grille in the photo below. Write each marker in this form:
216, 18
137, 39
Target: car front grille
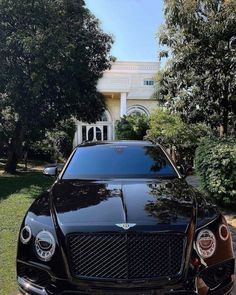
128, 256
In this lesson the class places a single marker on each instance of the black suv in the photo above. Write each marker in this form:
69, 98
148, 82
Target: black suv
121, 219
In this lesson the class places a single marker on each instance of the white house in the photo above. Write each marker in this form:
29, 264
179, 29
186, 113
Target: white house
127, 87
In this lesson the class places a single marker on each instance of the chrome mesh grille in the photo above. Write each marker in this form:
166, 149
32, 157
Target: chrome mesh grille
125, 256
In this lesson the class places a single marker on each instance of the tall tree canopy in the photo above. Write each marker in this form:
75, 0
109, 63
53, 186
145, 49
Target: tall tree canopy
52, 53
199, 81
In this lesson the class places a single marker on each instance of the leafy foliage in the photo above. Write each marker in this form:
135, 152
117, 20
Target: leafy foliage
57, 144
52, 54
216, 167
199, 81
165, 128
7, 123
132, 127
169, 130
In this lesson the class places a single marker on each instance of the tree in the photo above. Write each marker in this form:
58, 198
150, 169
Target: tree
52, 53
199, 81
7, 123
56, 144
132, 127
216, 168
172, 132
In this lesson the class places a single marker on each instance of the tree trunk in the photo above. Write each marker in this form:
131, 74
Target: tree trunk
25, 157
15, 148
224, 126
225, 112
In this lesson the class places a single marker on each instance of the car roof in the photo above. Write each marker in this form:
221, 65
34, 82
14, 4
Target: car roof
118, 142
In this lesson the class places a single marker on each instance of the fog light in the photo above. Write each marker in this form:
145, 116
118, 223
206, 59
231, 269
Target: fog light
31, 275
25, 234
219, 273
45, 245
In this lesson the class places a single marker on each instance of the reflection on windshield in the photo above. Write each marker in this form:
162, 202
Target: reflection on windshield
119, 161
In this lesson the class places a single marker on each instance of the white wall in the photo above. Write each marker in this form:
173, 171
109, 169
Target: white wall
128, 77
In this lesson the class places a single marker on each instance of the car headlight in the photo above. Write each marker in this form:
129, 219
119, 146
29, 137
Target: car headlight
45, 245
206, 243
25, 234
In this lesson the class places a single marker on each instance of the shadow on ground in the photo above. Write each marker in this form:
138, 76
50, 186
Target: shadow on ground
23, 182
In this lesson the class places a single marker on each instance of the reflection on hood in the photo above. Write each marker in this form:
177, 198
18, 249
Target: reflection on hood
172, 200
79, 195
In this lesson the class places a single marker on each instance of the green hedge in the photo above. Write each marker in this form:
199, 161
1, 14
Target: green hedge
215, 161
133, 127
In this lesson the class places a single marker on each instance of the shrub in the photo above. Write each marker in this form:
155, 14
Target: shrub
133, 127
216, 167
166, 128
169, 130
57, 144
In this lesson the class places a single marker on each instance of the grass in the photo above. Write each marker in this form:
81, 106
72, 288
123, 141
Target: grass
16, 194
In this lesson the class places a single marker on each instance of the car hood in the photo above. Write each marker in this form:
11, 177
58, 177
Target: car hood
105, 205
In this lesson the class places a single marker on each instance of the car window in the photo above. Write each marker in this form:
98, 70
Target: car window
114, 161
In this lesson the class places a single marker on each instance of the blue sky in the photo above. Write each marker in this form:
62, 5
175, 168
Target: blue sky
133, 23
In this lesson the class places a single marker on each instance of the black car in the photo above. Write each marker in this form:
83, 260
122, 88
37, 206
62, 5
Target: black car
121, 219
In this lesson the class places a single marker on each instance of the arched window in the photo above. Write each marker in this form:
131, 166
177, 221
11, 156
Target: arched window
105, 117
136, 109
101, 130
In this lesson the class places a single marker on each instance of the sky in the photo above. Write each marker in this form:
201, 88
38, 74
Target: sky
133, 24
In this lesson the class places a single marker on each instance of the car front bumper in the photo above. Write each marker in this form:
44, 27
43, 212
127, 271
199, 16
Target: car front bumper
66, 287
30, 289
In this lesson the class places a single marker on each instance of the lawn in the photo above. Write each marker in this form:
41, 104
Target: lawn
16, 194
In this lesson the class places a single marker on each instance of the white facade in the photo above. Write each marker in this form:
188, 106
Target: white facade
128, 87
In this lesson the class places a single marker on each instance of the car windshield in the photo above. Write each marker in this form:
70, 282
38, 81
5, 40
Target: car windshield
119, 161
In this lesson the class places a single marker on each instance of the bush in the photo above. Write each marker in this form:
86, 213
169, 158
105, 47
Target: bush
133, 127
216, 167
169, 130
165, 128
57, 144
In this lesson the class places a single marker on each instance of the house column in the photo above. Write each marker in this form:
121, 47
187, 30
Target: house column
123, 98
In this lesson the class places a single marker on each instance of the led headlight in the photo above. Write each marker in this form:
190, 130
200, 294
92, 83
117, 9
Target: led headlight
25, 234
45, 245
206, 243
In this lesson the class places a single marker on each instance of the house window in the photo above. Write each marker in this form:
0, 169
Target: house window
103, 117
101, 130
147, 82
136, 109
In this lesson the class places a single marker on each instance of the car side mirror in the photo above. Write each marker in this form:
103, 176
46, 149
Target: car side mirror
185, 170
188, 171
50, 171
181, 169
